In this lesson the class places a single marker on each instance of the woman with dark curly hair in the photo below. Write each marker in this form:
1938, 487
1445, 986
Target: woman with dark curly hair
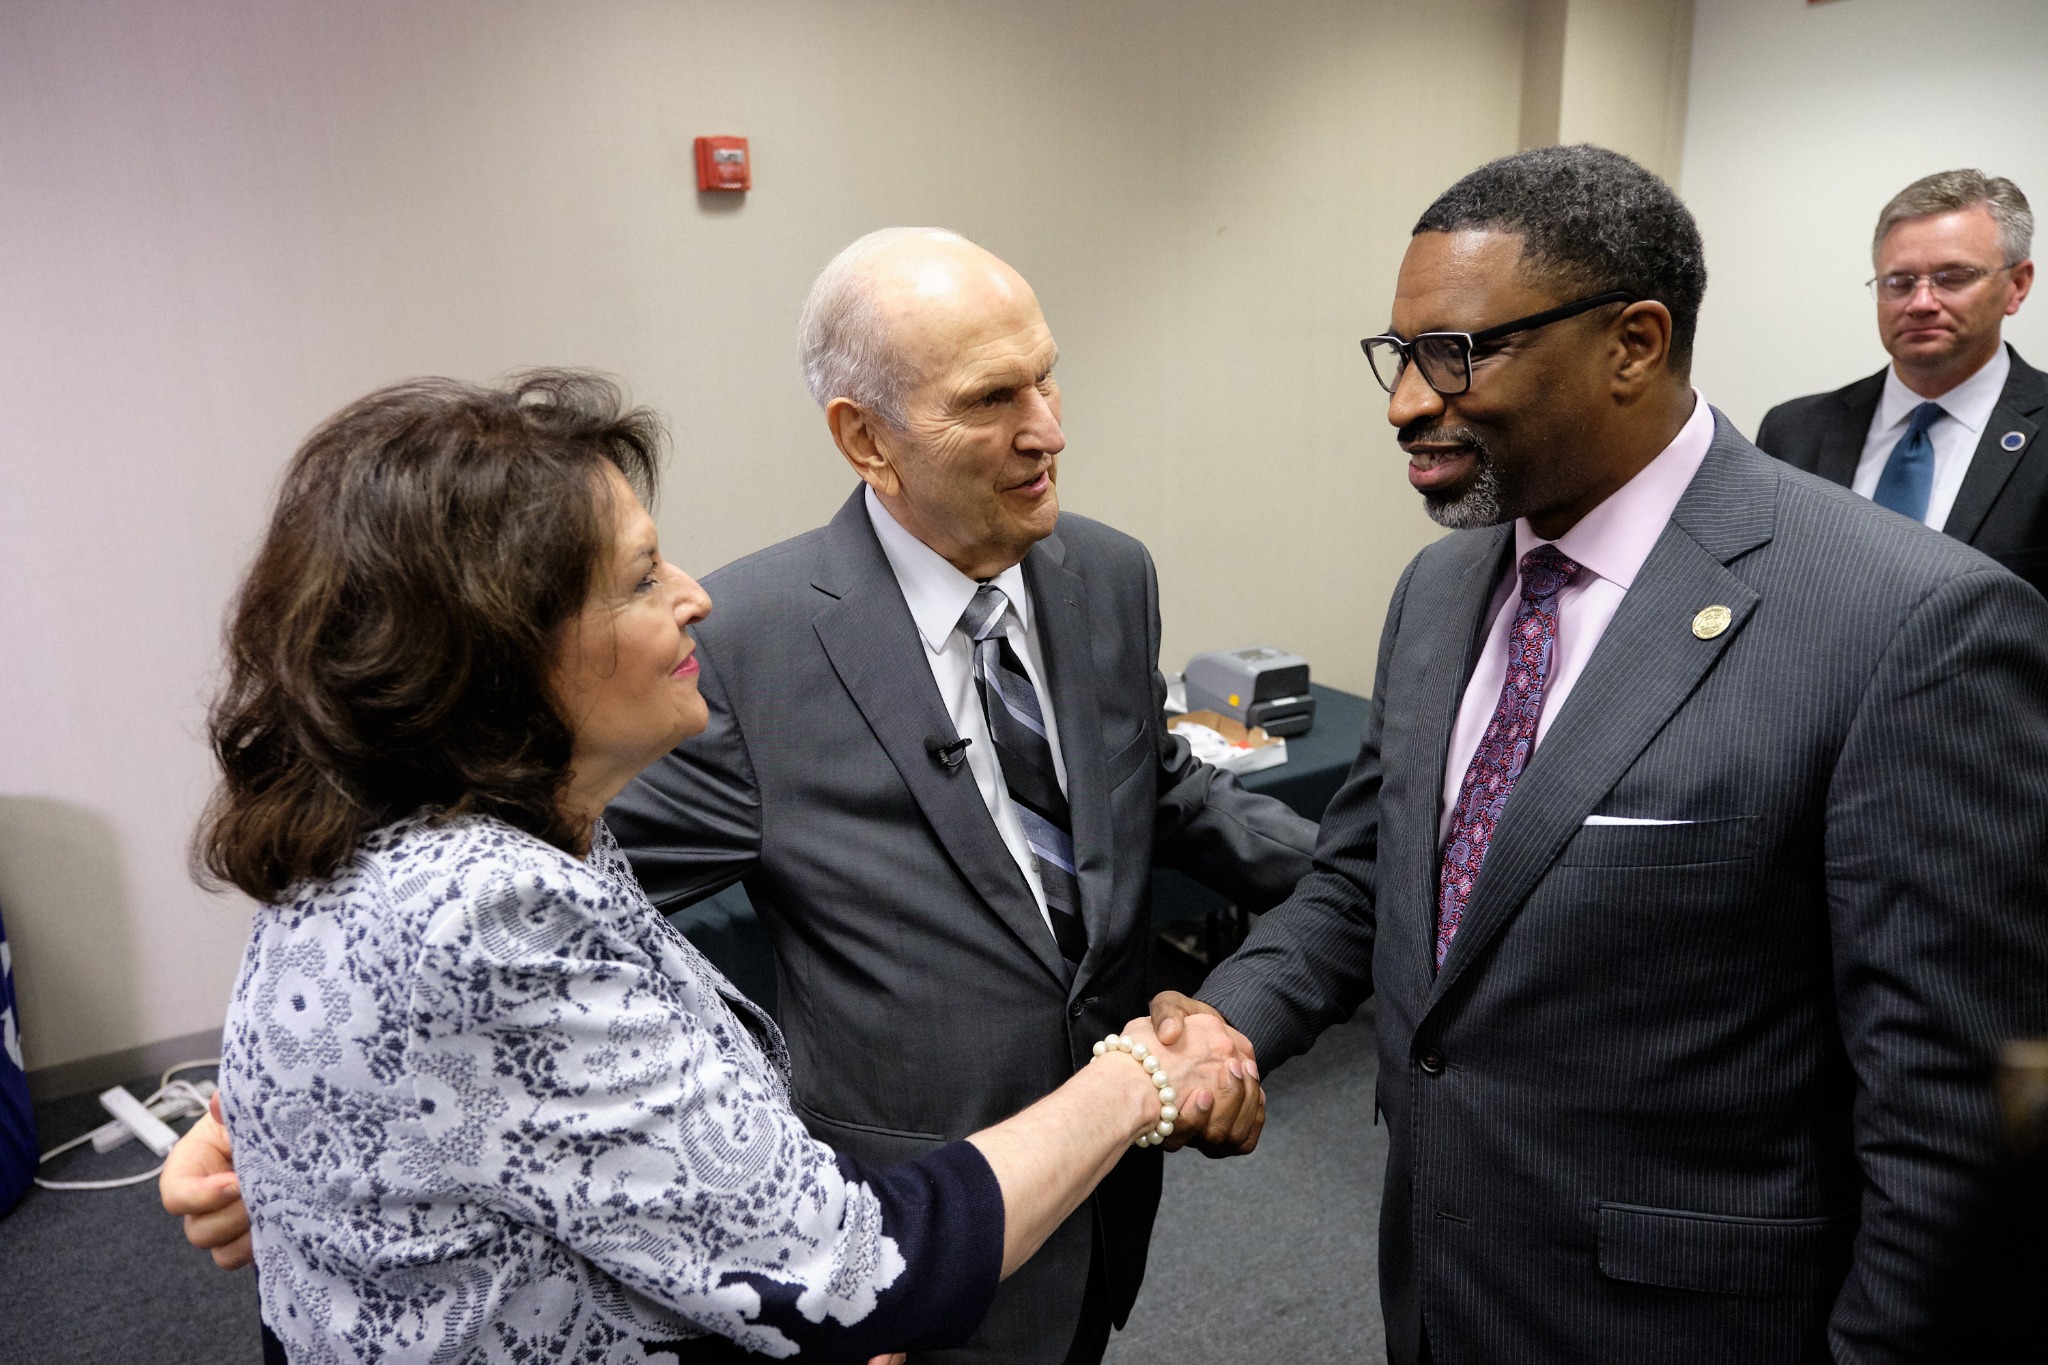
486, 1103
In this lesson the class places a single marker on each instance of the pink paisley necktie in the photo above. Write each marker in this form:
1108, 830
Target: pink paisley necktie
1510, 737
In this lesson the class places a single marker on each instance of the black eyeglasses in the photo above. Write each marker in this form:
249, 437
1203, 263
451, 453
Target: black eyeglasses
1446, 357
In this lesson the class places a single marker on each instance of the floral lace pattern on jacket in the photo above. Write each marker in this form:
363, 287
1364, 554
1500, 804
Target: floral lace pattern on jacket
488, 1105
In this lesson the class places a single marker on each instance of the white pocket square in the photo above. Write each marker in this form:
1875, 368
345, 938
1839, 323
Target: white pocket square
1632, 820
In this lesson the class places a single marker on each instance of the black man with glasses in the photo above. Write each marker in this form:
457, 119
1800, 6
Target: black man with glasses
1949, 433
1696, 853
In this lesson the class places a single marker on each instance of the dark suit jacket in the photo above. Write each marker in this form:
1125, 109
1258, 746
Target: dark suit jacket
2002, 508
1712, 1091
920, 989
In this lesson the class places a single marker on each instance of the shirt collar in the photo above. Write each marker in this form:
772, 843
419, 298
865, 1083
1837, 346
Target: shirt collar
936, 592
1615, 538
1969, 402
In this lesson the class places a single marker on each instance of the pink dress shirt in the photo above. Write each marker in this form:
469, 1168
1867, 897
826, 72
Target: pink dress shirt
1609, 545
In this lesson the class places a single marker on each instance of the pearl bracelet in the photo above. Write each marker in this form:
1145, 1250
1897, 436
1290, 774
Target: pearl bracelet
1168, 1112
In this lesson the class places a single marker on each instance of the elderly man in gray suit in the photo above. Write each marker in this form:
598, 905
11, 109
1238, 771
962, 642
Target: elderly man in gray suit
1697, 852
937, 759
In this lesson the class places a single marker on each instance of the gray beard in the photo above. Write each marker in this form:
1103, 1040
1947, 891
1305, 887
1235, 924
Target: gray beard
1480, 505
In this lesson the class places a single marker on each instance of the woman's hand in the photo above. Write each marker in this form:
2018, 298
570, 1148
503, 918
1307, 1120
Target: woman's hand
1223, 1106
199, 1182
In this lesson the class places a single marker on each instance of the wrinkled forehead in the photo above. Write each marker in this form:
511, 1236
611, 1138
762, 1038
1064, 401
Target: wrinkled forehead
959, 321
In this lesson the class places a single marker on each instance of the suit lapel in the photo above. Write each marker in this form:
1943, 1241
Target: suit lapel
1646, 665
1060, 599
1841, 442
1991, 466
869, 636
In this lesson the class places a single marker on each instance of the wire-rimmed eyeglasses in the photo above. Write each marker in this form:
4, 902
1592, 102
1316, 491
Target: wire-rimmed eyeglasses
1901, 285
1446, 357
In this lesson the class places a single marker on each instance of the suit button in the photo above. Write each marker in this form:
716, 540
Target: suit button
1074, 1010
1432, 1062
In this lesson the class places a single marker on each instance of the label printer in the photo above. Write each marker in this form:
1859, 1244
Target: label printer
1260, 686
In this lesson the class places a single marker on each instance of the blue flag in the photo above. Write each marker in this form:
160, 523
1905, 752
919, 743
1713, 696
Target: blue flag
17, 1115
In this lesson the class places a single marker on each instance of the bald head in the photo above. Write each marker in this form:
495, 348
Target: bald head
934, 366
862, 335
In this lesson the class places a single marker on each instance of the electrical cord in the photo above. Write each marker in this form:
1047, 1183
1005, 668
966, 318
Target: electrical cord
181, 1100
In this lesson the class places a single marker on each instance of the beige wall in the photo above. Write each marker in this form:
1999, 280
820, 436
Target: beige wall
1802, 121
220, 220
1611, 72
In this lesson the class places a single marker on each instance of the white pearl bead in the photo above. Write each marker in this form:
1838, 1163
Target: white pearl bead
1159, 1079
1138, 1050
1169, 1112
1144, 1140
1151, 1063
1165, 1129
1100, 1049
1168, 1094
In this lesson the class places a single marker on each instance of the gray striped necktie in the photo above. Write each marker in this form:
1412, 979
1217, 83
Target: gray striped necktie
1017, 724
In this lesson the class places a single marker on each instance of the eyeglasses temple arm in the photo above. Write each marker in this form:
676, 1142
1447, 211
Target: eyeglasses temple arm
1550, 315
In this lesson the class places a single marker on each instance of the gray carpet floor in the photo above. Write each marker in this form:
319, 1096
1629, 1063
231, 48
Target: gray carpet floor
106, 1275
1266, 1257
1275, 1256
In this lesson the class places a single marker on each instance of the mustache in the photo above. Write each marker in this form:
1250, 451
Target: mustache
1423, 433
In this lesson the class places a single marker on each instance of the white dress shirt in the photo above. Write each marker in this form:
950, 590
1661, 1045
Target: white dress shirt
1609, 545
937, 594
1968, 407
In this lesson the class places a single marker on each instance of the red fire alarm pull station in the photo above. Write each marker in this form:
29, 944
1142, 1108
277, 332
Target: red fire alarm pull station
722, 164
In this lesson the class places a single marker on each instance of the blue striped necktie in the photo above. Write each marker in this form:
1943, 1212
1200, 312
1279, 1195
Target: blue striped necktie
1017, 725
1908, 479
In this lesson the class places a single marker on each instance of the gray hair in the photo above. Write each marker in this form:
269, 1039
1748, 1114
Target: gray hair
1590, 219
1948, 191
842, 340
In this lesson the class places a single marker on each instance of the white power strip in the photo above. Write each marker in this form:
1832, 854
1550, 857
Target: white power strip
108, 1136
154, 1132
142, 1118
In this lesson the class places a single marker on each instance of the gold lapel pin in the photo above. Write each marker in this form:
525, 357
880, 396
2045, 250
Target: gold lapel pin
1711, 621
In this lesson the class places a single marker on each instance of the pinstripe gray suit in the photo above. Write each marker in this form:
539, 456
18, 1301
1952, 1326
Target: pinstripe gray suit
1712, 1091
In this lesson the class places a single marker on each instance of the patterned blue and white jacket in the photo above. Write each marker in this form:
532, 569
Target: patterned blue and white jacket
487, 1105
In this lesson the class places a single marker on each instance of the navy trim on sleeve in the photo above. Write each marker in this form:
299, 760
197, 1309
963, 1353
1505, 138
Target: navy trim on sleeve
945, 1214
945, 1211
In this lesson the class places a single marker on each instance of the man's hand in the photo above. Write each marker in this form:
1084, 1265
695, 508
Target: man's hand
199, 1182
1223, 1107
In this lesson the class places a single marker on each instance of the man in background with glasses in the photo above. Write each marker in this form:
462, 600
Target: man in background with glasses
1948, 433
1697, 849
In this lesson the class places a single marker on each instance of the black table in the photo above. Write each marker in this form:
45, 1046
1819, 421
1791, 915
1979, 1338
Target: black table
1317, 764
725, 929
